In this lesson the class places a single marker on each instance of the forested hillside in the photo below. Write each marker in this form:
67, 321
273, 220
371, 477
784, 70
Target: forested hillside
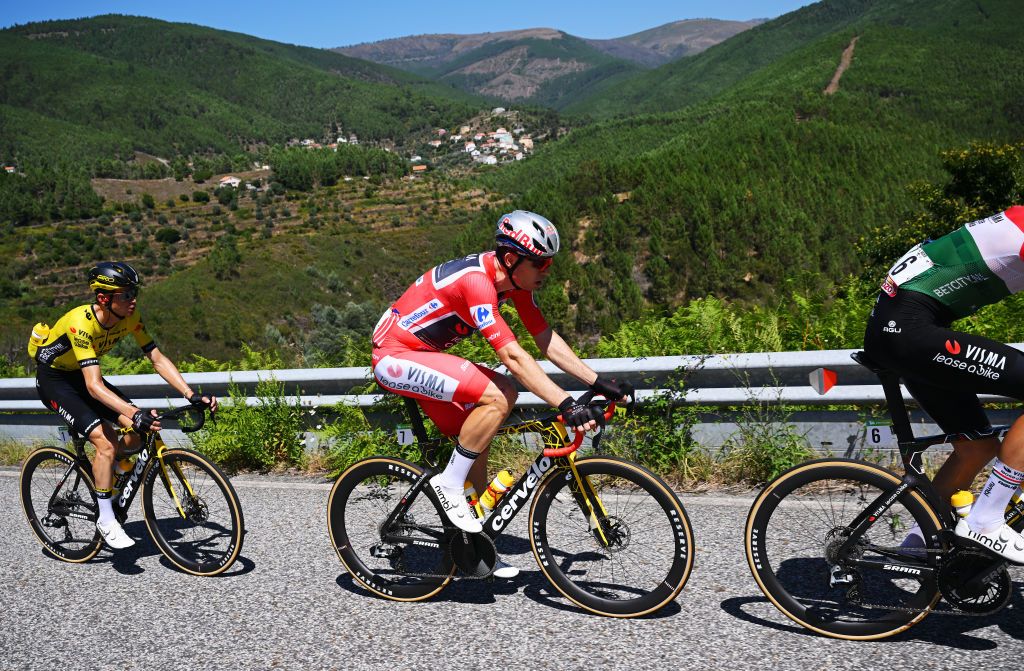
773, 178
112, 84
749, 184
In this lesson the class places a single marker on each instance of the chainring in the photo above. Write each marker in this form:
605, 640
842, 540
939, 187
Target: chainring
960, 567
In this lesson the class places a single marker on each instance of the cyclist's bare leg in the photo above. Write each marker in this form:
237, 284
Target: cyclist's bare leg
963, 465
104, 439
1011, 452
482, 423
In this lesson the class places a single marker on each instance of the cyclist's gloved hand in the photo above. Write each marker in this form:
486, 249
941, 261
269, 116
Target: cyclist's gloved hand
144, 421
576, 416
611, 389
198, 401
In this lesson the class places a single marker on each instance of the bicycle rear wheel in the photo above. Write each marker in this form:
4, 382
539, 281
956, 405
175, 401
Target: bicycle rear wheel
803, 515
362, 499
641, 558
60, 502
192, 512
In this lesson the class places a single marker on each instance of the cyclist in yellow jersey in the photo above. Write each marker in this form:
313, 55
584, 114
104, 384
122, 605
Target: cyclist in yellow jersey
69, 381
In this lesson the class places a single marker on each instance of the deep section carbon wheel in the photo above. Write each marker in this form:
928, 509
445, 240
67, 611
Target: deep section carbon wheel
617, 542
192, 512
794, 533
60, 503
411, 565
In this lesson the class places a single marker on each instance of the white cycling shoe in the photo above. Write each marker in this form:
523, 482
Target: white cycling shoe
455, 506
114, 536
1003, 540
502, 569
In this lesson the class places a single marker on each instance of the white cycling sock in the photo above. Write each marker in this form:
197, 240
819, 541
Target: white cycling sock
454, 475
988, 512
106, 507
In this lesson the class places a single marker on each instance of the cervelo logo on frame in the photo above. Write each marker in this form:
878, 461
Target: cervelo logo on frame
483, 315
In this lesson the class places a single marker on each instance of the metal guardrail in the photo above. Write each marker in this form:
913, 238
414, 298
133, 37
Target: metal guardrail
712, 380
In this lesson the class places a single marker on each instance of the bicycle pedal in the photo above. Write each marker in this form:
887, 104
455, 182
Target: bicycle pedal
383, 551
839, 577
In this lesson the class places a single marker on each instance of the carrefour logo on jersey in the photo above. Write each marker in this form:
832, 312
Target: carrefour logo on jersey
483, 316
419, 313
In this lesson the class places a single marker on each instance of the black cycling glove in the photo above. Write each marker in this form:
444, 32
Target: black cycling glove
197, 401
613, 390
143, 420
576, 416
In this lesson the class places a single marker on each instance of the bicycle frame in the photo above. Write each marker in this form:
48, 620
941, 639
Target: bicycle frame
911, 451
149, 455
514, 500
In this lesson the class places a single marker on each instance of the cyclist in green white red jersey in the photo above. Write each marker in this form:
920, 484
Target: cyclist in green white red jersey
69, 382
931, 286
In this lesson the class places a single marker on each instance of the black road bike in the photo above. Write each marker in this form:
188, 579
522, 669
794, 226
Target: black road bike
823, 541
190, 507
610, 535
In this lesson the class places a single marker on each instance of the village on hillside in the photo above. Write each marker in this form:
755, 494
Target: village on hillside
490, 138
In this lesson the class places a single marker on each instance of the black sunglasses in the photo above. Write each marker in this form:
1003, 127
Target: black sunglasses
126, 294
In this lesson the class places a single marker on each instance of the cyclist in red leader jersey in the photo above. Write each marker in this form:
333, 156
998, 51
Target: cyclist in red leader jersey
450, 302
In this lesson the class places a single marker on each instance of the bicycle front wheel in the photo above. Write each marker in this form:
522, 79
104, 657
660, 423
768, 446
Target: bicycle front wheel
801, 518
413, 568
192, 512
631, 556
60, 504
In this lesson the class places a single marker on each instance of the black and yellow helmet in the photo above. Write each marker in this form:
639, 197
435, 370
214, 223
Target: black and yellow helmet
113, 275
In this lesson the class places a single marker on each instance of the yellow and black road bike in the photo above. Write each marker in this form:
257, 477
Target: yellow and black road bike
610, 535
824, 541
190, 508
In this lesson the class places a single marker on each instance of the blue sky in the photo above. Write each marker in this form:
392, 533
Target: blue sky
323, 23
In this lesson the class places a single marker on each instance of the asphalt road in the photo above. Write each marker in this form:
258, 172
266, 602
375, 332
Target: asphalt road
287, 603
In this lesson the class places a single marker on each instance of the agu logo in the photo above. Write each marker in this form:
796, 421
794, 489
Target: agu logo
953, 347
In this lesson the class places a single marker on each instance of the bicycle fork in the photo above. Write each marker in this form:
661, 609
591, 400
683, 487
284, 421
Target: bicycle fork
590, 503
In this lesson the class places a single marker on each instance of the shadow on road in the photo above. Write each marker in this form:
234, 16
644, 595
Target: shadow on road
953, 631
532, 583
126, 561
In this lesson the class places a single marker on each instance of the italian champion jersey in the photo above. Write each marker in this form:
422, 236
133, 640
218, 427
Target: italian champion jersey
969, 268
451, 301
78, 339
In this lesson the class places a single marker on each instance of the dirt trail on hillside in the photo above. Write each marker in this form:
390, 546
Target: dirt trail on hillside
844, 63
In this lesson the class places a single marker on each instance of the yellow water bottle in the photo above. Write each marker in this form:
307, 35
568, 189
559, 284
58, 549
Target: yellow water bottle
499, 485
471, 498
962, 502
40, 332
121, 470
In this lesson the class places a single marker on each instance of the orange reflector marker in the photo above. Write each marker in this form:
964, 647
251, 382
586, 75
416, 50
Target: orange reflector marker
823, 379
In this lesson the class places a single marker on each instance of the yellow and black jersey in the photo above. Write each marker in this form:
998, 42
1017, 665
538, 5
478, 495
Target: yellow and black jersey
78, 339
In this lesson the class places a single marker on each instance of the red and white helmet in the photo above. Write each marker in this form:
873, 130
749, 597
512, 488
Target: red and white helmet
527, 233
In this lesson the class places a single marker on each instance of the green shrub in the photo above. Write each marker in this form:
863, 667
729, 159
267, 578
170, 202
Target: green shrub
255, 437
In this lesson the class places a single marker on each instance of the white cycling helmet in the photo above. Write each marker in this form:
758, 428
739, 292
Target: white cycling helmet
527, 234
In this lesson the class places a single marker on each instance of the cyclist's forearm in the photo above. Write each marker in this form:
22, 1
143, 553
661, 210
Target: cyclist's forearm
559, 353
169, 372
528, 372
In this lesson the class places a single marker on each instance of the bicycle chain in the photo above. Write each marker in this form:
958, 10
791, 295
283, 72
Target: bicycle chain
952, 610
399, 565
